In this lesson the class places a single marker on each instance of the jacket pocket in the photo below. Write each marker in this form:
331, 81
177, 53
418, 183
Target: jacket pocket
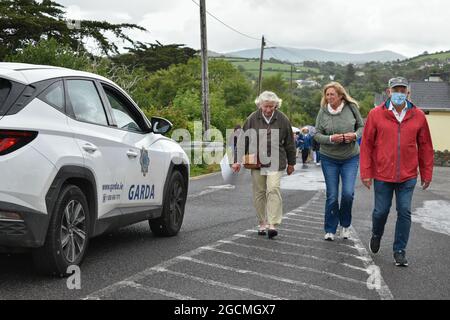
384, 163
410, 159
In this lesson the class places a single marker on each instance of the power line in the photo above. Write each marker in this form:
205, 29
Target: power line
228, 26
295, 54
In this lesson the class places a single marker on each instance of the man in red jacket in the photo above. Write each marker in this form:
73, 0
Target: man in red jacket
395, 144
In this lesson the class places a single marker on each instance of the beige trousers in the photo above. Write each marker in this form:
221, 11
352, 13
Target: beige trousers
267, 197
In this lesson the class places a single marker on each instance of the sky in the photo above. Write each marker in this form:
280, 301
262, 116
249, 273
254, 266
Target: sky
408, 27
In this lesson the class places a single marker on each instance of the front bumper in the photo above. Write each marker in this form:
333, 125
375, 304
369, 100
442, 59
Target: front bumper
29, 233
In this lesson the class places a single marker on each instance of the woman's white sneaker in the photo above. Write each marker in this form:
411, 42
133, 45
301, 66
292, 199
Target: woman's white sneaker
329, 237
345, 233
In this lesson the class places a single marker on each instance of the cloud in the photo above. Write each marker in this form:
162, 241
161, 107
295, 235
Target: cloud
406, 26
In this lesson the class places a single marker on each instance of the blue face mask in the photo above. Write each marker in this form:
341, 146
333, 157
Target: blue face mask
398, 98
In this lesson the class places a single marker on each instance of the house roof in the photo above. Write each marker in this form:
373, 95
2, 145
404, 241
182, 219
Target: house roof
427, 95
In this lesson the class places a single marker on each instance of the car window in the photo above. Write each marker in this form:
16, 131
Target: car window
124, 117
5, 88
85, 101
54, 96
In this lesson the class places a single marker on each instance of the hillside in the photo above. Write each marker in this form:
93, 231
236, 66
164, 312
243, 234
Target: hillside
300, 55
251, 66
440, 56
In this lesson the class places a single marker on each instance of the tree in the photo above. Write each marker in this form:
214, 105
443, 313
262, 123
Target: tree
311, 64
350, 75
277, 84
309, 104
366, 105
50, 52
24, 22
154, 57
179, 87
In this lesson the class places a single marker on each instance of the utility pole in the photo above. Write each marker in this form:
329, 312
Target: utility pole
292, 93
263, 43
205, 78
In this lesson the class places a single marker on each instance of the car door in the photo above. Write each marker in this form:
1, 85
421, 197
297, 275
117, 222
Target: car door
147, 163
101, 144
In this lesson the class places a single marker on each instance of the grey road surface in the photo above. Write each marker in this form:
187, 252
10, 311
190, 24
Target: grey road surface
218, 255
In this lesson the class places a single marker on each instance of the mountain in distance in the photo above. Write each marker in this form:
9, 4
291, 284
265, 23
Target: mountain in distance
213, 54
300, 55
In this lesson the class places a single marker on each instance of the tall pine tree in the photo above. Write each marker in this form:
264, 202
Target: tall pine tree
24, 22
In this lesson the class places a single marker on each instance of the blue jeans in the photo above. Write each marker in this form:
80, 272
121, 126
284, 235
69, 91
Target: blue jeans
384, 192
333, 171
317, 156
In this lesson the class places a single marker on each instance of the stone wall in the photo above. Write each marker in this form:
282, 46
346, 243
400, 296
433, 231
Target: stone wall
442, 159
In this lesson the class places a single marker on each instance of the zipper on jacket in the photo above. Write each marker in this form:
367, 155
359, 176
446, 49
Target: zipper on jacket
398, 152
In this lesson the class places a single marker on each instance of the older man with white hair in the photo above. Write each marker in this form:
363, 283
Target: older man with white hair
268, 132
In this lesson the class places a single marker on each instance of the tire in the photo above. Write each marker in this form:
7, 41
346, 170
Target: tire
174, 203
64, 244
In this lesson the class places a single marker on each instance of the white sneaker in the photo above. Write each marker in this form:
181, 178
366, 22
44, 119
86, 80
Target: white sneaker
329, 237
345, 233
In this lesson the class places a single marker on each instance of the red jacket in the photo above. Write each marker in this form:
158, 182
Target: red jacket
393, 151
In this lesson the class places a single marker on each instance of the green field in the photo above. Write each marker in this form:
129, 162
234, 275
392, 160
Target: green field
270, 68
437, 56
285, 75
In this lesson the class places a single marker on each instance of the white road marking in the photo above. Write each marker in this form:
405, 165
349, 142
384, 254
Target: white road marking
318, 209
301, 226
271, 277
291, 253
286, 236
217, 283
362, 258
162, 292
288, 265
305, 216
164, 267
223, 187
111, 289
303, 220
313, 213
297, 231
211, 189
312, 239
202, 193
384, 291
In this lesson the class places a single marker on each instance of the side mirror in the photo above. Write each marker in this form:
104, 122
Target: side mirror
160, 125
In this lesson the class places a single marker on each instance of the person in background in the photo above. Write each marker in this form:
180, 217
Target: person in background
316, 150
305, 142
339, 124
297, 146
396, 144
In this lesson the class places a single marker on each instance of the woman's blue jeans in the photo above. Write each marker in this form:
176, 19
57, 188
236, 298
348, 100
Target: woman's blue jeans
339, 212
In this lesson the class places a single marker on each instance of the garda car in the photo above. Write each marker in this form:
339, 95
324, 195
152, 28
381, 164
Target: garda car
78, 158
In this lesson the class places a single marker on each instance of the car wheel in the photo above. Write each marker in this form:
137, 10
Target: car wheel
173, 208
67, 236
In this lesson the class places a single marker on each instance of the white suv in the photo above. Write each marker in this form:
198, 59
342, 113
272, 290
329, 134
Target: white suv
78, 158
